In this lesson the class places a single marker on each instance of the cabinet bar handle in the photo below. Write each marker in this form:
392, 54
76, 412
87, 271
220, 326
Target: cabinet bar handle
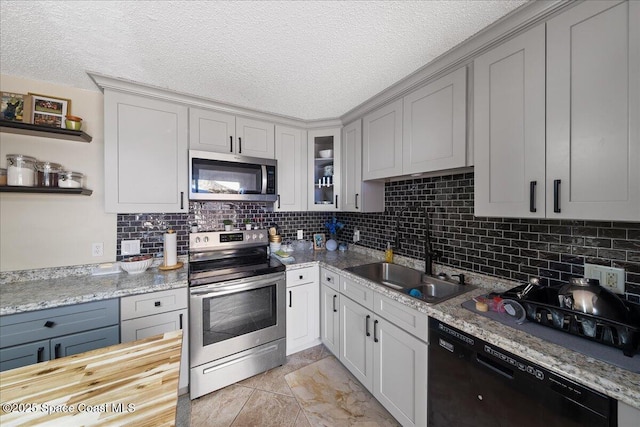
335, 310
40, 355
532, 196
182, 200
239, 145
180, 320
556, 196
230, 144
300, 277
56, 351
49, 324
357, 200
366, 325
336, 201
290, 299
375, 331
278, 201
157, 303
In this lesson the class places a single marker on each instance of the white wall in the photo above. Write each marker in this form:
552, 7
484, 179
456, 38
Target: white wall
47, 230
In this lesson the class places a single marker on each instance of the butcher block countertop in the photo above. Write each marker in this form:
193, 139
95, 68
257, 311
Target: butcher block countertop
133, 384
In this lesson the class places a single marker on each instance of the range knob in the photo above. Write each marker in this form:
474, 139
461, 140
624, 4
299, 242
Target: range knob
261, 236
206, 239
197, 240
254, 236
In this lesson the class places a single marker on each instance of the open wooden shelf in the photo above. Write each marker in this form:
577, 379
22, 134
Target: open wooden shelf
49, 190
44, 131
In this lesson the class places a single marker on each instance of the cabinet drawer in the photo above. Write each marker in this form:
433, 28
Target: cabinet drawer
301, 276
406, 318
24, 355
153, 303
329, 278
84, 341
54, 322
144, 327
357, 292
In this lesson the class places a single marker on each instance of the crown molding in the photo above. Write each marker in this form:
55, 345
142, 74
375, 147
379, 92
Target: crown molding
512, 24
119, 84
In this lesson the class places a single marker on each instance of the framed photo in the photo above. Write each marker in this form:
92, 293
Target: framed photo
12, 106
49, 111
318, 242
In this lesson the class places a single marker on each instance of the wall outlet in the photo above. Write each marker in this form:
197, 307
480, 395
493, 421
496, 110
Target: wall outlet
356, 235
130, 247
609, 277
97, 249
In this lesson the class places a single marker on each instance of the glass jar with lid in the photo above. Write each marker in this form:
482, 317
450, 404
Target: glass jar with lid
70, 179
21, 170
47, 174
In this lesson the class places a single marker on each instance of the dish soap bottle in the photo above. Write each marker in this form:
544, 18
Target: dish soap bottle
388, 254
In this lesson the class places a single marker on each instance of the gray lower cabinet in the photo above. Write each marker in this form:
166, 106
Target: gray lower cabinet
384, 345
155, 313
330, 311
38, 336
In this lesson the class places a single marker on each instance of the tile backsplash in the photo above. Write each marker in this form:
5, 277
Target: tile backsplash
510, 248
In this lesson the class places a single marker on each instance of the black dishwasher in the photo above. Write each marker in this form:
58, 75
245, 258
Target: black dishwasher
473, 383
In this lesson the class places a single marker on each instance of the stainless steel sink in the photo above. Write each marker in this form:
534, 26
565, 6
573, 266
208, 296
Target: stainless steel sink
409, 281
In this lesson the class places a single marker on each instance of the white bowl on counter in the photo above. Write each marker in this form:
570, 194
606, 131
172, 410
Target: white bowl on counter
136, 264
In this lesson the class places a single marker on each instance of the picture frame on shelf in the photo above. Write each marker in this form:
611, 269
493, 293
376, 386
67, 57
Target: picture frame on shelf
319, 242
49, 111
12, 107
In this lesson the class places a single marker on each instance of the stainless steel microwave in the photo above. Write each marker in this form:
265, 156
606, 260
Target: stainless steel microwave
219, 176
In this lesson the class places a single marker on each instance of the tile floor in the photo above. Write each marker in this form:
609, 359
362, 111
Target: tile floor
300, 393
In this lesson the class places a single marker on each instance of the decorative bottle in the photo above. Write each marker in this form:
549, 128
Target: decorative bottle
388, 254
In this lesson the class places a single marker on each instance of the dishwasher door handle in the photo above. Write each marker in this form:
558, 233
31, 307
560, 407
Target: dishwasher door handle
490, 364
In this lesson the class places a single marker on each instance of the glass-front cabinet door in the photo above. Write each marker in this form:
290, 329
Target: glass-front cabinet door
324, 169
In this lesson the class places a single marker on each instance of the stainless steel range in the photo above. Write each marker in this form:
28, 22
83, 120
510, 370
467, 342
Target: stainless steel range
237, 309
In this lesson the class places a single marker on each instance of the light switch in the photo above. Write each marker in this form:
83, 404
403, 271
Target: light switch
130, 247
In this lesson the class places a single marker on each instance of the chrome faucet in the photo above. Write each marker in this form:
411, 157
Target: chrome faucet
429, 253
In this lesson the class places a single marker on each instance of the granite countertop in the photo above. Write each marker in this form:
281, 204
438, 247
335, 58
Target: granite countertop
608, 379
41, 293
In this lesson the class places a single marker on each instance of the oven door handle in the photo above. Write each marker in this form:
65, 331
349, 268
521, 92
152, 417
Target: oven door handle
236, 285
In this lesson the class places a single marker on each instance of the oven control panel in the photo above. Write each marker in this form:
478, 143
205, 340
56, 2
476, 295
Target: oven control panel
212, 240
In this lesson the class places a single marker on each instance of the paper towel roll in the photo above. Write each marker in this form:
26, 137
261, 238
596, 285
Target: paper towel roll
170, 248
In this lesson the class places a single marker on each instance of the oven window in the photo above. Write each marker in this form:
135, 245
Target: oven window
220, 177
236, 314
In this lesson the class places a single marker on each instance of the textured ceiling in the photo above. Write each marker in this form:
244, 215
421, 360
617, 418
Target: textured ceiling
303, 59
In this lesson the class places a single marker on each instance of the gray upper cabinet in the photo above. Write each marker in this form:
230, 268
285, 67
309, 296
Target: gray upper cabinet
434, 133
225, 133
576, 154
382, 142
509, 140
593, 112
425, 131
291, 154
145, 145
357, 195
211, 131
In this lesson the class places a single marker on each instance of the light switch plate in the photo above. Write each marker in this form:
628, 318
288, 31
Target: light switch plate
130, 247
609, 277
